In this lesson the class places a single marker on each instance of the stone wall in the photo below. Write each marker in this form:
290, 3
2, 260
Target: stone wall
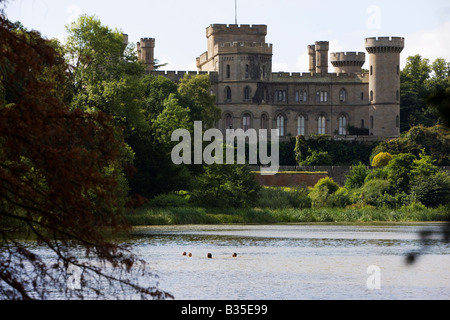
290, 179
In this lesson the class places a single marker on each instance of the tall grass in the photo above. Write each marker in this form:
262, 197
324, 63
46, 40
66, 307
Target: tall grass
196, 215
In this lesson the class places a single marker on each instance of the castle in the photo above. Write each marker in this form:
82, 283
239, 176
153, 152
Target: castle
250, 95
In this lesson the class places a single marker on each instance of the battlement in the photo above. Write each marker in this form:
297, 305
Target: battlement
178, 75
146, 43
385, 44
243, 47
318, 77
347, 58
214, 29
322, 46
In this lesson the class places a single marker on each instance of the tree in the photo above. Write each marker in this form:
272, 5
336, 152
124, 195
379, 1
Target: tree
399, 169
57, 181
226, 185
198, 88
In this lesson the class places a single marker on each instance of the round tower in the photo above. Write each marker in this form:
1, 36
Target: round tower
146, 52
322, 48
384, 85
347, 62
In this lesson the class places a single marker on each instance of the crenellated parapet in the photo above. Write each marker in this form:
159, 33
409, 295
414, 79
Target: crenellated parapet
385, 44
347, 62
243, 47
176, 76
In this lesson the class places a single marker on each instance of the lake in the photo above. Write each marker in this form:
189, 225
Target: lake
295, 262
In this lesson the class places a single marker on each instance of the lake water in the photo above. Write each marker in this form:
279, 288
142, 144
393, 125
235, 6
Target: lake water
295, 262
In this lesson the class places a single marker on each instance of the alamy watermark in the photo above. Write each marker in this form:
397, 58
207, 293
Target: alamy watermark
190, 150
374, 280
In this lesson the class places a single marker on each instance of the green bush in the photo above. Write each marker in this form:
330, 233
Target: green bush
169, 200
281, 198
373, 190
328, 183
377, 173
432, 190
381, 160
225, 186
356, 176
399, 169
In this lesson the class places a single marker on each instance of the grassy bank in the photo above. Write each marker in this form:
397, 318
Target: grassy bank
197, 215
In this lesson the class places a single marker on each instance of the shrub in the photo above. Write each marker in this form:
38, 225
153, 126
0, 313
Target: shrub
356, 176
377, 173
381, 160
328, 183
374, 189
169, 200
226, 186
281, 198
399, 169
432, 190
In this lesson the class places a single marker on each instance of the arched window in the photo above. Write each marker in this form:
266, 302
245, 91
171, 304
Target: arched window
371, 95
342, 125
228, 121
246, 122
228, 94
321, 124
301, 125
247, 71
247, 93
305, 96
280, 125
343, 95
264, 122
228, 71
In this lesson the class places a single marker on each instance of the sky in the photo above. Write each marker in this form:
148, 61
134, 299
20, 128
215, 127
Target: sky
179, 26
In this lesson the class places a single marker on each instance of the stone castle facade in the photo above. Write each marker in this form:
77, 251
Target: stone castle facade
251, 95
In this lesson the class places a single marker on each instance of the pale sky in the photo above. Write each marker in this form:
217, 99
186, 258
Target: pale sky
179, 26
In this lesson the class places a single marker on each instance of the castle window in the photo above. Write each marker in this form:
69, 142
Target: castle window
297, 96
362, 123
397, 122
246, 71
280, 125
264, 72
228, 94
228, 121
322, 96
301, 125
305, 96
371, 95
397, 95
228, 71
362, 95
321, 124
343, 95
247, 93
264, 122
371, 70
246, 122
342, 125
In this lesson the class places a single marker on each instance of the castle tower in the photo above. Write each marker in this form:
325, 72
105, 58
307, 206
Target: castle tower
348, 62
312, 58
384, 85
237, 53
146, 53
322, 48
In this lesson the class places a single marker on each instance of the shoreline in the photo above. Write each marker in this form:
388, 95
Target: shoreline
151, 216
